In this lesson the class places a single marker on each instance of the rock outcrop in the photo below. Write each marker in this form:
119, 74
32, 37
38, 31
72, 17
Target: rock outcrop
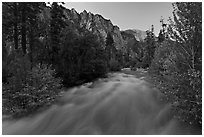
100, 26
96, 24
138, 34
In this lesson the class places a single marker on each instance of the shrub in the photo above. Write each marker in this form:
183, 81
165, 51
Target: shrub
114, 65
181, 85
28, 90
81, 58
188, 97
93, 69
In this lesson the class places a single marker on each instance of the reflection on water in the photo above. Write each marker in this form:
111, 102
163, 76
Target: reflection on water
121, 104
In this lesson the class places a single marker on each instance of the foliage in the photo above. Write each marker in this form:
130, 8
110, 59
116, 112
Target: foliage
164, 58
28, 90
179, 62
149, 49
35, 35
110, 48
18, 19
92, 56
56, 25
81, 58
114, 65
114, 57
7, 20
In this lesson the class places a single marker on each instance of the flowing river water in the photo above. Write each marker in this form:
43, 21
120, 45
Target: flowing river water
120, 105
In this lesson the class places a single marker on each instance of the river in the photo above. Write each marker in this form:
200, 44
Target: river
118, 105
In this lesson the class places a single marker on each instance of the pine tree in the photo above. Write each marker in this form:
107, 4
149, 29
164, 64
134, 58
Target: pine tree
110, 46
56, 25
163, 31
149, 47
16, 24
10, 22
20, 17
23, 6
33, 11
161, 36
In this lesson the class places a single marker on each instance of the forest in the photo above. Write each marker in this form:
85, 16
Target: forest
43, 53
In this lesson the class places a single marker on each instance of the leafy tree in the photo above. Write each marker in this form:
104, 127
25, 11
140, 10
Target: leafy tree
93, 57
179, 61
23, 95
82, 58
187, 31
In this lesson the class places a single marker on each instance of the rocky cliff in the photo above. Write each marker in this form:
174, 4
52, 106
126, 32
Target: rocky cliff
123, 40
96, 24
139, 35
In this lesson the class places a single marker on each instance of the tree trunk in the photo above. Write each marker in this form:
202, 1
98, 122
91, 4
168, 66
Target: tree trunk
23, 29
31, 47
16, 25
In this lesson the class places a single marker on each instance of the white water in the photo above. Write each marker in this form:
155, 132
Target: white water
121, 104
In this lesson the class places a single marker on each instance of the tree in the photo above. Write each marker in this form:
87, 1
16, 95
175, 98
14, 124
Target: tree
149, 47
161, 36
56, 25
92, 57
163, 32
187, 31
109, 46
19, 18
33, 11
111, 52
23, 7
10, 22
25, 88
39, 41
82, 57
179, 61
16, 24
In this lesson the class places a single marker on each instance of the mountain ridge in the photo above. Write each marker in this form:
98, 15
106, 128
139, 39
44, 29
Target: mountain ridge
99, 25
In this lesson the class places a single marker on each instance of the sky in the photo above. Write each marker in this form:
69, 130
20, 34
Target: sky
128, 15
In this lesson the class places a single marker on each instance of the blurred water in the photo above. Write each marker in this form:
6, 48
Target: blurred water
121, 104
